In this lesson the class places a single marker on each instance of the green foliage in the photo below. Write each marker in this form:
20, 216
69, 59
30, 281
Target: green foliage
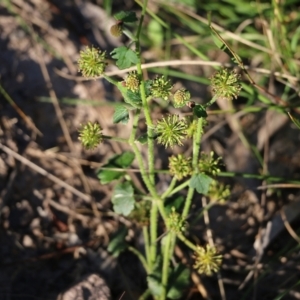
123, 199
121, 114
143, 138
132, 98
120, 161
201, 183
124, 57
174, 202
154, 279
126, 16
179, 280
199, 111
117, 242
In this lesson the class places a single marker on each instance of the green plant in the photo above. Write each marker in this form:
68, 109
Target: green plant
152, 210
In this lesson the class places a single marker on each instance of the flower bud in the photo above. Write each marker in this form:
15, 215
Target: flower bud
132, 81
181, 97
116, 30
90, 135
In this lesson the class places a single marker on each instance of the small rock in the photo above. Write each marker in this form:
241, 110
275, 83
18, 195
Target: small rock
91, 287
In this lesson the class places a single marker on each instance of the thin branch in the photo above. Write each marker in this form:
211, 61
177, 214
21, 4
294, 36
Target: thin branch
174, 63
45, 173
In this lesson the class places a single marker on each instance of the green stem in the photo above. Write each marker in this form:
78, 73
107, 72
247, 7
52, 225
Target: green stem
269, 178
179, 188
113, 138
109, 79
150, 144
141, 258
212, 101
153, 233
165, 268
144, 7
188, 202
144, 174
135, 122
196, 144
145, 295
162, 211
147, 245
145, 104
196, 148
169, 189
157, 204
186, 241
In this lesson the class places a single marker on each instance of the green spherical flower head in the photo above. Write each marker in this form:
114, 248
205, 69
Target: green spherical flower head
180, 166
141, 213
218, 192
90, 135
91, 62
207, 261
226, 84
132, 81
209, 165
176, 223
181, 97
116, 30
161, 88
171, 131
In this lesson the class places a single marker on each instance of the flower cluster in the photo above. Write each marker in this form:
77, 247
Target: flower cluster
161, 88
171, 131
209, 165
181, 97
207, 261
176, 223
218, 192
226, 84
90, 135
91, 62
132, 81
116, 30
180, 166
141, 213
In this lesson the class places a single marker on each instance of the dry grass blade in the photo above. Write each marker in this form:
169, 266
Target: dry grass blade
177, 63
45, 173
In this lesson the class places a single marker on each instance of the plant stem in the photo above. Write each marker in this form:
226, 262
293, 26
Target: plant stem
196, 148
150, 181
141, 258
144, 174
110, 80
153, 232
186, 241
166, 261
212, 101
179, 188
169, 189
188, 202
147, 245
135, 122
113, 138
146, 294
144, 99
